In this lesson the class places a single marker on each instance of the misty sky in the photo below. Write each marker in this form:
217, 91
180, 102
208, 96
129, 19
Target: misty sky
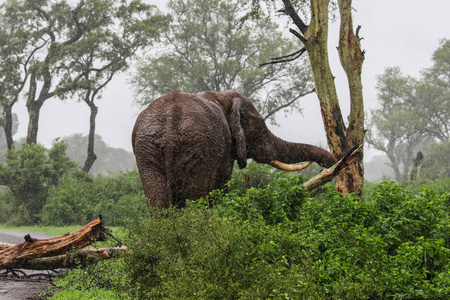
400, 33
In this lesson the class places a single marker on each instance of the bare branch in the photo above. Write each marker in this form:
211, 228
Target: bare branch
285, 58
328, 174
291, 12
77, 24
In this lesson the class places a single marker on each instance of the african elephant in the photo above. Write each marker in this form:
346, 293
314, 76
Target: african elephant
186, 144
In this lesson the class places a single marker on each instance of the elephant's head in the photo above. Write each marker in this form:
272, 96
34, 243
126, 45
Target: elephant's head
252, 139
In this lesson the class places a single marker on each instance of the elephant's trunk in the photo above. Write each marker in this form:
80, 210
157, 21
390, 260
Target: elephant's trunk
272, 148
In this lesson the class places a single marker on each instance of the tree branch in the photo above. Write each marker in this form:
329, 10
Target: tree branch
285, 58
79, 29
328, 174
291, 12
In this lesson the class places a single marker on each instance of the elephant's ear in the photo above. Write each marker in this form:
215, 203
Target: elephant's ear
238, 133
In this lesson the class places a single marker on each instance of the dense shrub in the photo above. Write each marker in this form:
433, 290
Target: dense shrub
278, 202
440, 185
7, 211
196, 254
253, 245
118, 199
29, 173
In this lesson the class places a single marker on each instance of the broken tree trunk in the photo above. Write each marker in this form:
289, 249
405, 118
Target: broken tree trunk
417, 165
327, 175
73, 259
20, 254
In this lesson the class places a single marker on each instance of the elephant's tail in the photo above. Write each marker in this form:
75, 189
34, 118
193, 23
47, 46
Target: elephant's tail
175, 182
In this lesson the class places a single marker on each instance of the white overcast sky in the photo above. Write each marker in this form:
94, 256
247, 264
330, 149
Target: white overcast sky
400, 33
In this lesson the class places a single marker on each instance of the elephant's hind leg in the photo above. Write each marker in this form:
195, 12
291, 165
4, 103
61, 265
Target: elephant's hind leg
157, 190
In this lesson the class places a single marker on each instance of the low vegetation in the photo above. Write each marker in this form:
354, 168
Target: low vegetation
273, 240
278, 242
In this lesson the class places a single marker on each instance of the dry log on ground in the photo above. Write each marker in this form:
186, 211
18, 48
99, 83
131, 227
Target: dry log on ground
4, 246
327, 175
20, 254
73, 259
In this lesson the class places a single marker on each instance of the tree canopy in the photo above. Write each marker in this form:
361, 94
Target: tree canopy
413, 113
111, 161
56, 47
208, 48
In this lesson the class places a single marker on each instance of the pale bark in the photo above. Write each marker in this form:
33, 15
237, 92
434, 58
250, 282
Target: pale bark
352, 58
315, 38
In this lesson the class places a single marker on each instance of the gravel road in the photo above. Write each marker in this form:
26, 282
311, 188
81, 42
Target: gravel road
18, 289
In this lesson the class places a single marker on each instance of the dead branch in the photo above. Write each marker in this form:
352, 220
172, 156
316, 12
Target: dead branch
73, 259
286, 58
327, 175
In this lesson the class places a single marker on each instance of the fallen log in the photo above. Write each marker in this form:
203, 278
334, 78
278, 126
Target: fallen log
4, 246
31, 248
326, 175
73, 259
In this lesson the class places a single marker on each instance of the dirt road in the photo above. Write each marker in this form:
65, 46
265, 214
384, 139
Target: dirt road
18, 289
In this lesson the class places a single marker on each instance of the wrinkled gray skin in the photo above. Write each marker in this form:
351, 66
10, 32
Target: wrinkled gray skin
186, 144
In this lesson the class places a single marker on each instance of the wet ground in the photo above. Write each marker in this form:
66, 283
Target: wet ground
24, 284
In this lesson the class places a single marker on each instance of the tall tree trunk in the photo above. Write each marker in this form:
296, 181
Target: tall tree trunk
352, 58
33, 108
8, 127
315, 38
395, 166
91, 156
417, 165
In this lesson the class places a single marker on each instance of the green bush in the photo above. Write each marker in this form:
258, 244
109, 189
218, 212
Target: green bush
279, 243
30, 172
10, 213
393, 245
196, 254
440, 185
278, 202
118, 199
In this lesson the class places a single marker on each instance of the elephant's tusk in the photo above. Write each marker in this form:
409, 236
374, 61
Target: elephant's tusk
286, 167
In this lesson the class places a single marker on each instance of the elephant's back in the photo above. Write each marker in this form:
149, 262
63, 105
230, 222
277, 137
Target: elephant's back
181, 122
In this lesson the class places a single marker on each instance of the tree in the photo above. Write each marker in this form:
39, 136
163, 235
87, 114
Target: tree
107, 50
111, 161
14, 61
435, 93
437, 161
30, 171
49, 37
208, 48
414, 113
13, 126
394, 128
314, 36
